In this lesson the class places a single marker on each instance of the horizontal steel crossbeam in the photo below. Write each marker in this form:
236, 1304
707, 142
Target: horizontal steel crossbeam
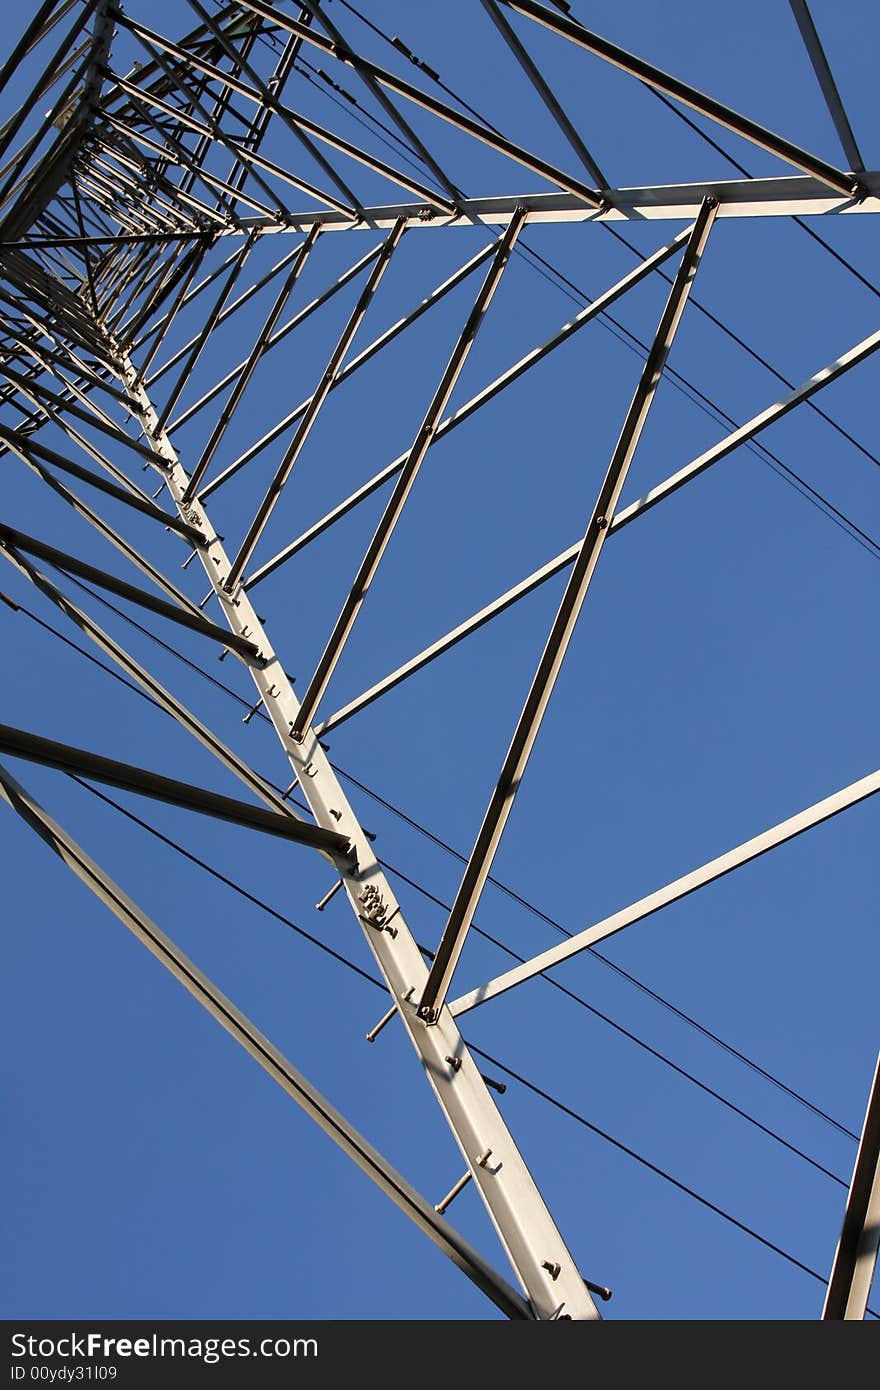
787, 196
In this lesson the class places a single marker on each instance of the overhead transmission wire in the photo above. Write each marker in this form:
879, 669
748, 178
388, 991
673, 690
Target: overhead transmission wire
646, 1163
500, 945
627, 1033
554, 1101
517, 1076
741, 169
478, 930
761, 451
440, 843
488, 1057
664, 100
504, 888
509, 1071
592, 952
631, 340
624, 335
361, 973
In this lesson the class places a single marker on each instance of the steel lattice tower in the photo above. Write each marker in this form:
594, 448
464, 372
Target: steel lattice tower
178, 231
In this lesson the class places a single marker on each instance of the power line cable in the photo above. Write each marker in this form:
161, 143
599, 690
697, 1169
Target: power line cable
503, 887
617, 329
627, 1033
554, 271
546, 1096
592, 952
509, 1071
652, 1167
613, 325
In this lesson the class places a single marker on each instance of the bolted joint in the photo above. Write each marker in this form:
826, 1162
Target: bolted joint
375, 909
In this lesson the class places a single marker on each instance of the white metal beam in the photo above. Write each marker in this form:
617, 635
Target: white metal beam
793, 196
638, 508
316, 401
507, 378
825, 78
856, 1255
529, 723
672, 892
415, 458
352, 1143
544, 1266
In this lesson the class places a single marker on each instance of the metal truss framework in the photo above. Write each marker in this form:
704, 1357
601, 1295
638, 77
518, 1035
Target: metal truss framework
112, 206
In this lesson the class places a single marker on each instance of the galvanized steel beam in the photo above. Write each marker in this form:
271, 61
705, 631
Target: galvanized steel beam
353, 1144
19, 743
689, 96
408, 474
544, 1266
510, 778
856, 1256
716, 868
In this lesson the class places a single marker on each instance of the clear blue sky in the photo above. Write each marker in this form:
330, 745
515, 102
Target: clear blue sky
724, 674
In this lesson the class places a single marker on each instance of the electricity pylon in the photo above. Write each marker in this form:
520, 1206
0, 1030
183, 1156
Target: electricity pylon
145, 195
